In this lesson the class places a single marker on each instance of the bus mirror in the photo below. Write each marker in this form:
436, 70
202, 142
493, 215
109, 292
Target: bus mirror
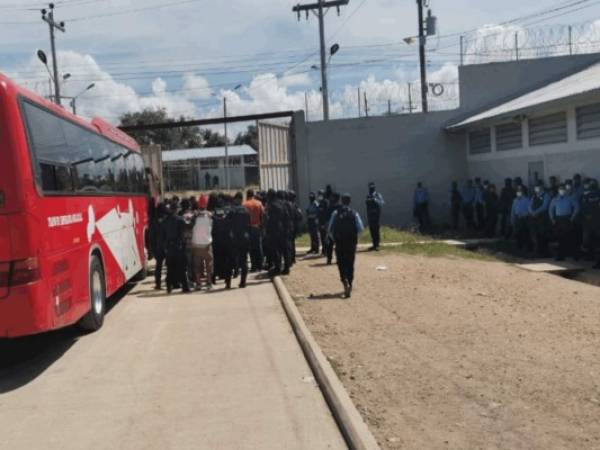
1, 199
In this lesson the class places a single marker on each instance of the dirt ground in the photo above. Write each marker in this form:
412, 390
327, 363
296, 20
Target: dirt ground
441, 353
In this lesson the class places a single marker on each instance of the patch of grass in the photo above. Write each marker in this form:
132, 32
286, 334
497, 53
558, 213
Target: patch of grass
438, 250
388, 234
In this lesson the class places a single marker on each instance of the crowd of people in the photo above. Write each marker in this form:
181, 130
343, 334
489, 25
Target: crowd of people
214, 237
567, 213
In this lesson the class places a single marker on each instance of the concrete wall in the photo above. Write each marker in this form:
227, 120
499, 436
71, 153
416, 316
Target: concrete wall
394, 152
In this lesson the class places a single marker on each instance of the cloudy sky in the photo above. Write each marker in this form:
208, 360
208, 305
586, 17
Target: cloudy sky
186, 55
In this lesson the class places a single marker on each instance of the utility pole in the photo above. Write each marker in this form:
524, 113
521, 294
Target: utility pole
306, 104
570, 40
358, 91
319, 9
48, 17
410, 103
422, 41
226, 144
366, 106
389, 107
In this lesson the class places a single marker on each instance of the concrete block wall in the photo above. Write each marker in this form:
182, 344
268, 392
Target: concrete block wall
394, 152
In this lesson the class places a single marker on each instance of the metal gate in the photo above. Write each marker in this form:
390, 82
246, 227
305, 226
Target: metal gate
275, 150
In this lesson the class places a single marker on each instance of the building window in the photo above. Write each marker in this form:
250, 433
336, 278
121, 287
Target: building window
588, 121
480, 141
550, 129
509, 136
209, 163
235, 161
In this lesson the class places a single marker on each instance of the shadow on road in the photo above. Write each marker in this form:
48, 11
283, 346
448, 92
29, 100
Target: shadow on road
24, 359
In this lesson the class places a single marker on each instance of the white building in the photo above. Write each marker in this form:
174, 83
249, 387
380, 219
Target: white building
551, 131
204, 168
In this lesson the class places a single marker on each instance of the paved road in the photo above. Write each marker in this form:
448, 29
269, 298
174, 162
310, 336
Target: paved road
201, 371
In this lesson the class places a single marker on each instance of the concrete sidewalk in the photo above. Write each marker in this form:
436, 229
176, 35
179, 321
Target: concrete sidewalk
200, 371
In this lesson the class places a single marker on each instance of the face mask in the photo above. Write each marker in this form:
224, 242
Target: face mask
568, 187
519, 194
320, 197
538, 190
561, 192
586, 187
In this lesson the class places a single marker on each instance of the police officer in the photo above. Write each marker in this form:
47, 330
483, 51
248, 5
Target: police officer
344, 228
158, 242
538, 219
563, 211
421, 207
275, 225
240, 229
323, 205
468, 204
520, 219
492, 203
221, 234
176, 260
375, 204
288, 230
297, 222
312, 219
334, 204
590, 217
479, 204
455, 201
507, 196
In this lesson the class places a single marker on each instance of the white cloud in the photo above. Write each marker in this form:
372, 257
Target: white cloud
197, 87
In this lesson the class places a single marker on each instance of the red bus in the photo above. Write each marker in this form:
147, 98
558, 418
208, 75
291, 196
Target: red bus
73, 214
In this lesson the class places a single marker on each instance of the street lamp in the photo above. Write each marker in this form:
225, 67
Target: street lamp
44, 60
74, 99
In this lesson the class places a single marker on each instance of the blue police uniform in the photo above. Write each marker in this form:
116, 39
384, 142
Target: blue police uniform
421, 207
467, 195
563, 212
539, 223
520, 220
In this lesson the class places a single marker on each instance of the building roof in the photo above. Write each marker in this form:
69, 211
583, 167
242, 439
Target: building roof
205, 153
582, 82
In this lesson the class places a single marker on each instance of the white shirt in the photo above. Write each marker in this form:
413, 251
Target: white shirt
202, 232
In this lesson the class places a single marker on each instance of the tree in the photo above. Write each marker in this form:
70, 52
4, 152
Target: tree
212, 139
248, 137
169, 138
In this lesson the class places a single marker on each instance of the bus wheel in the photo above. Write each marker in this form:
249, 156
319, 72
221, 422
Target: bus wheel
94, 319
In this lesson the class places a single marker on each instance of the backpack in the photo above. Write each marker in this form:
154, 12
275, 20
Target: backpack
345, 225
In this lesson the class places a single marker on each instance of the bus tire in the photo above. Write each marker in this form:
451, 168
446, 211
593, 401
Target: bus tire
94, 319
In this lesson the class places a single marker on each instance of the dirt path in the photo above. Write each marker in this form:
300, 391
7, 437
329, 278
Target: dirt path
444, 353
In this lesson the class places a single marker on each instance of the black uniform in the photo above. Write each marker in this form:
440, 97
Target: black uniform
176, 260
540, 225
222, 250
507, 196
345, 231
239, 227
492, 204
374, 217
323, 206
312, 219
330, 242
590, 215
289, 244
158, 245
275, 234
455, 202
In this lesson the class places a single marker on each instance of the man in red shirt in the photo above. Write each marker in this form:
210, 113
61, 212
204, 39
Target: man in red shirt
257, 212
